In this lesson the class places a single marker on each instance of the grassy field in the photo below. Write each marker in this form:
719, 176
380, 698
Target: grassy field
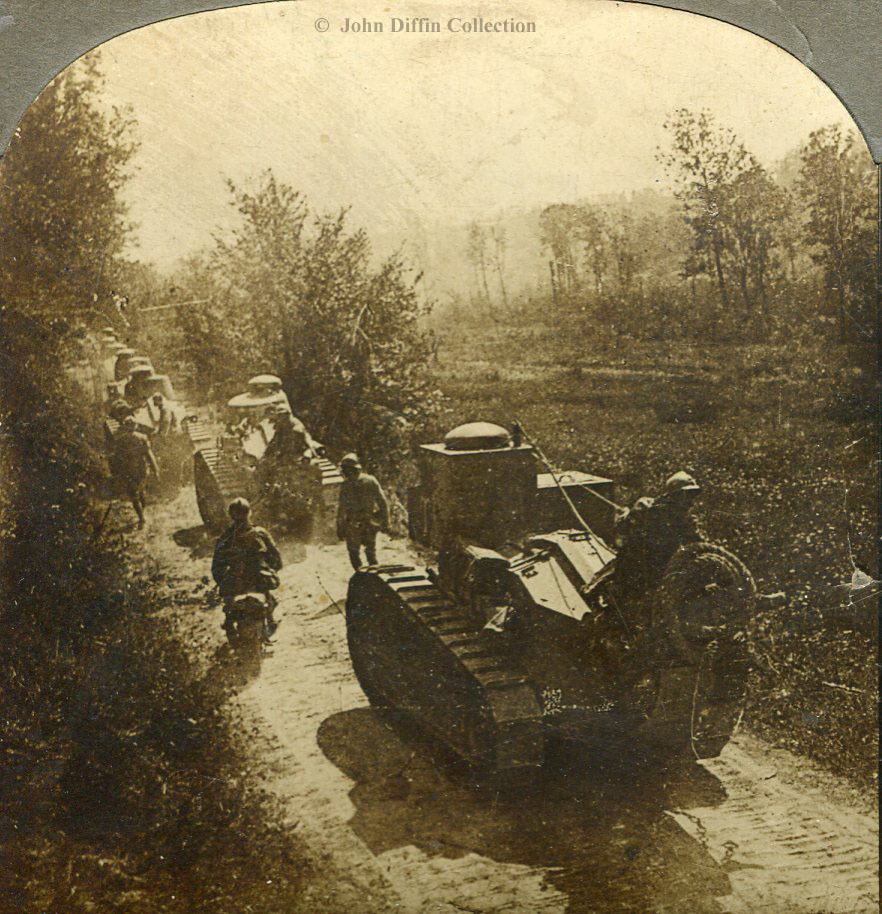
785, 443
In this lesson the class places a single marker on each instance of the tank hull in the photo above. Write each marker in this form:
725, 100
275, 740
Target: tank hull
495, 662
301, 498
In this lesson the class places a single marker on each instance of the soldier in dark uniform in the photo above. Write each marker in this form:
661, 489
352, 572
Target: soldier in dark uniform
246, 560
652, 531
362, 511
131, 460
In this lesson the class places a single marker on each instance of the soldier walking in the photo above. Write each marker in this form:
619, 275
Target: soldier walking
131, 461
362, 512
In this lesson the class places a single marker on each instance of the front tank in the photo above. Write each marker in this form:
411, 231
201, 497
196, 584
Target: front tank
500, 648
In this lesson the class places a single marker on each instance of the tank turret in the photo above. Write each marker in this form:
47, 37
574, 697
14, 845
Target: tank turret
263, 384
161, 384
136, 386
122, 364
484, 485
475, 484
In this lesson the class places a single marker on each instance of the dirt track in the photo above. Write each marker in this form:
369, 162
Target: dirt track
757, 830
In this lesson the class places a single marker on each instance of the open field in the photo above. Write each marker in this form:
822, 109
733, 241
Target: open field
786, 451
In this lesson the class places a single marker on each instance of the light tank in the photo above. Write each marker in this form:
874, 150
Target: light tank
138, 391
524, 632
267, 456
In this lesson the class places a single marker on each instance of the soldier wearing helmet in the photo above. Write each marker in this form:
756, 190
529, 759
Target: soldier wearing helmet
131, 461
290, 440
246, 560
362, 511
652, 531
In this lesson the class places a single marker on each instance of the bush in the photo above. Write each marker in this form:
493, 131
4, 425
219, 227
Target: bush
694, 402
122, 786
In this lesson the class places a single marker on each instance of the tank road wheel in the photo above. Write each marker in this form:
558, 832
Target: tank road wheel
701, 608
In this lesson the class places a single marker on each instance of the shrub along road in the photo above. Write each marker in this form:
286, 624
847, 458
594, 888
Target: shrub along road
757, 830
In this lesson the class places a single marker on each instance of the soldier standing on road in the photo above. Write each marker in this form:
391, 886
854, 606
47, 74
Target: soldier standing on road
362, 512
246, 560
131, 461
652, 531
167, 419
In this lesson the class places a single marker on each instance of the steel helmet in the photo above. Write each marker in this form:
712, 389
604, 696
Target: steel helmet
681, 482
351, 460
239, 507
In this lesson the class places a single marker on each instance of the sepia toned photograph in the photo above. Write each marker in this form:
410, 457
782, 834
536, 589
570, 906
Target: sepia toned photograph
440, 470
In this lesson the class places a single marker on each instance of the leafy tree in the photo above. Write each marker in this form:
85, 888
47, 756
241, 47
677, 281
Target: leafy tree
477, 255
63, 224
734, 209
557, 224
755, 210
625, 239
836, 186
592, 232
295, 293
705, 159
500, 242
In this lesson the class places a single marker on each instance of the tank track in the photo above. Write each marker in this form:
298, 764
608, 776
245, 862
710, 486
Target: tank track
199, 432
218, 480
416, 651
332, 479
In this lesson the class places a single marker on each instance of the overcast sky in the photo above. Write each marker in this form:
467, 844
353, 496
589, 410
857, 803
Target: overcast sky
434, 128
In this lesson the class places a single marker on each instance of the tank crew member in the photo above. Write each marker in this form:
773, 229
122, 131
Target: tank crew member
134, 391
246, 560
290, 440
653, 529
362, 511
131, 460
119, 409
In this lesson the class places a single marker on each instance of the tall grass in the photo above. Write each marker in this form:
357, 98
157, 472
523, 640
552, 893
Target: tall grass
784, 440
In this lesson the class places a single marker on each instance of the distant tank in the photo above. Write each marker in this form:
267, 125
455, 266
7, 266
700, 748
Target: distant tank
524, 630
121, 382
150, 398
123, 363
266, 455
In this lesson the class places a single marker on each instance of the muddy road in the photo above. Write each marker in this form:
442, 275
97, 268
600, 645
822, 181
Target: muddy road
757, 830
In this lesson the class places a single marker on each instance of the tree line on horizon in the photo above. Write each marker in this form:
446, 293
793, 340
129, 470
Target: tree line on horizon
737, 251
